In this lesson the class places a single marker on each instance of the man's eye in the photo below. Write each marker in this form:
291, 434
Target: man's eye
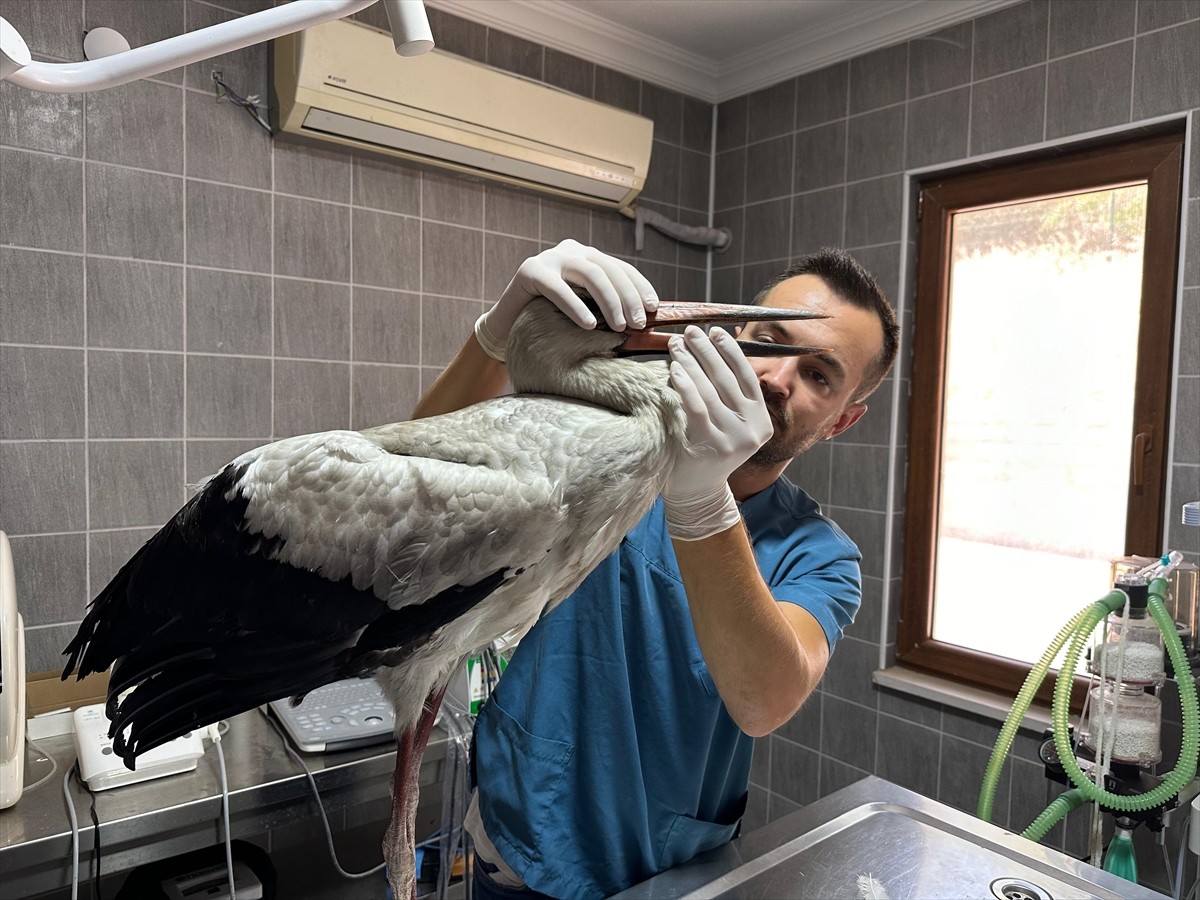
819, 377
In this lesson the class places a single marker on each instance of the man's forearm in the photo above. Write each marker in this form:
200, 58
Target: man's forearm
471, 377
765, 657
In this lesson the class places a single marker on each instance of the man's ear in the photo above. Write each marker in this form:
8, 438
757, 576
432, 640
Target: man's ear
849, 416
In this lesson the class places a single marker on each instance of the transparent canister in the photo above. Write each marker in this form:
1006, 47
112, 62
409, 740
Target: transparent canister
1127, 720
1142, 642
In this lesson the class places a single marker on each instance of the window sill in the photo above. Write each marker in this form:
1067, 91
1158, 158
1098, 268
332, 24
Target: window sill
957, 696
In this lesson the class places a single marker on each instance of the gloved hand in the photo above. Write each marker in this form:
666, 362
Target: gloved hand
727, 421
622, 292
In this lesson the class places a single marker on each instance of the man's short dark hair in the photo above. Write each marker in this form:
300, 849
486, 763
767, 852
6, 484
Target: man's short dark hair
843, 275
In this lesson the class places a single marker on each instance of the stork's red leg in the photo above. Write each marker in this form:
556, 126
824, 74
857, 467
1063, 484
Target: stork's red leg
399, 841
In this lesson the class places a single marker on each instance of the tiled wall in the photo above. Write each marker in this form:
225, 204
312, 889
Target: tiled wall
820, 159
176, 286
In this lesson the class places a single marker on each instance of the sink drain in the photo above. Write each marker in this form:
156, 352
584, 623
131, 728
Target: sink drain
1016, 889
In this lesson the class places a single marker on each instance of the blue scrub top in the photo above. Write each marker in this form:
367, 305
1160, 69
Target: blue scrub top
605, 754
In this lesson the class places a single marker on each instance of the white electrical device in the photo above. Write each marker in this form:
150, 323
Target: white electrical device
102, 769
212, 883
12, 683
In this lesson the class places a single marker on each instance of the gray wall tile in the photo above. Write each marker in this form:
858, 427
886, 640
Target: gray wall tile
693, 180
1078, 24
502, 255
848, 732
836, 775
228, 397
386, 184
873, 211
817, 220
937, 128
206, 458
874, 145
822, 95
135, 395
134, 482
805, 726
311, 396
1089, 91
449, 198
613, 234
218, 134
243, 70
230, 228
859, 477
662, 177
44, 646
848, 675
39, 120
1166, 76
41, 297
383, 394
445, 324
769, 169
142, 213
1161, 13
1011, 38
772, 111
766, 230
386, 250
42, 486
450, 258
733, 119
618, 89
456, 35
108, 552
562, 219
310, 239
228, 312
665, 107
134, 305
811, 471
41, 392
878, 78
908, 755
387, 326
514, 54
940, 60
140, 23
866, 529
730, 181
697, 125
49, 27
961, 775
569, 72
1187, 422
51, 185
137, 124
1189, 326
820, 157
913, 709
321, 173
795, 771
1008, 111
511, 211
312, 319
51, 577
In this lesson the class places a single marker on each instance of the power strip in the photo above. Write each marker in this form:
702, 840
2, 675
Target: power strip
102, 769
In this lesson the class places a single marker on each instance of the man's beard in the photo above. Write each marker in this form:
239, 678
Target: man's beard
787, 441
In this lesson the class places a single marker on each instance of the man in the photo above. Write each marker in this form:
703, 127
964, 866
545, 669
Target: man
618, 743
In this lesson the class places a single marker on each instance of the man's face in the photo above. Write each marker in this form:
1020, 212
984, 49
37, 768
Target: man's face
810, 398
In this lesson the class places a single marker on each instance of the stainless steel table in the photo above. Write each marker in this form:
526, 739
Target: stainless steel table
158, 819
912, 847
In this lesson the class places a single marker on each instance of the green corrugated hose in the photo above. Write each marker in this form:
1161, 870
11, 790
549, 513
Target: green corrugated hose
1063, 804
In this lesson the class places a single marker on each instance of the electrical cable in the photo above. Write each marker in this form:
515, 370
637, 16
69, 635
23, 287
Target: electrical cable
95, 832
312, 784
250, 104
1183, 850
48, 775
215, 735
66, 786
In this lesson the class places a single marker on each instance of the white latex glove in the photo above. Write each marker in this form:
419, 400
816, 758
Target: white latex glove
622, 292
727, 421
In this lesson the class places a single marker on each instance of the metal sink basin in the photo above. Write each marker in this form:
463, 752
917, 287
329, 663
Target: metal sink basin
904, 846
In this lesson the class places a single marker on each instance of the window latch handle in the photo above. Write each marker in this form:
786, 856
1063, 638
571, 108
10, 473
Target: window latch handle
1142, 442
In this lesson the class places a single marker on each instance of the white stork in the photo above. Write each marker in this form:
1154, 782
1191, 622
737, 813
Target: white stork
394, 551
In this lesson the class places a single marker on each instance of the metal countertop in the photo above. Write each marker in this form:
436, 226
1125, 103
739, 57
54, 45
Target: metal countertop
912, 847
156, 819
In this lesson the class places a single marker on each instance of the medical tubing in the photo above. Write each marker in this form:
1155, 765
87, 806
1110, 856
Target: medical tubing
995, 766
1063, 804
1185, 768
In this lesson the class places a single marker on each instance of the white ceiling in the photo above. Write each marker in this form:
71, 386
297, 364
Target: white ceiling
717, 49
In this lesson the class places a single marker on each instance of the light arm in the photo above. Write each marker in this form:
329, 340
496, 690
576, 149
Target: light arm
765, 656
170, 53
471, 377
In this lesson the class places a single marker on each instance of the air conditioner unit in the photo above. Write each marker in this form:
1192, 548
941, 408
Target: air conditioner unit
343, 82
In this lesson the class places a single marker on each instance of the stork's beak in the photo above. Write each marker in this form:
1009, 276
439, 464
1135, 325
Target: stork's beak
684, 312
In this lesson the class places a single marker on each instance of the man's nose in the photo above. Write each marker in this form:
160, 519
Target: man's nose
778, 378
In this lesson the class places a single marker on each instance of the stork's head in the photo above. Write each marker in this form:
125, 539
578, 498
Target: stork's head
544, 345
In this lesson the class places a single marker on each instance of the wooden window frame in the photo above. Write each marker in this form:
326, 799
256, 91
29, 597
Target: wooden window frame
1156, 160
